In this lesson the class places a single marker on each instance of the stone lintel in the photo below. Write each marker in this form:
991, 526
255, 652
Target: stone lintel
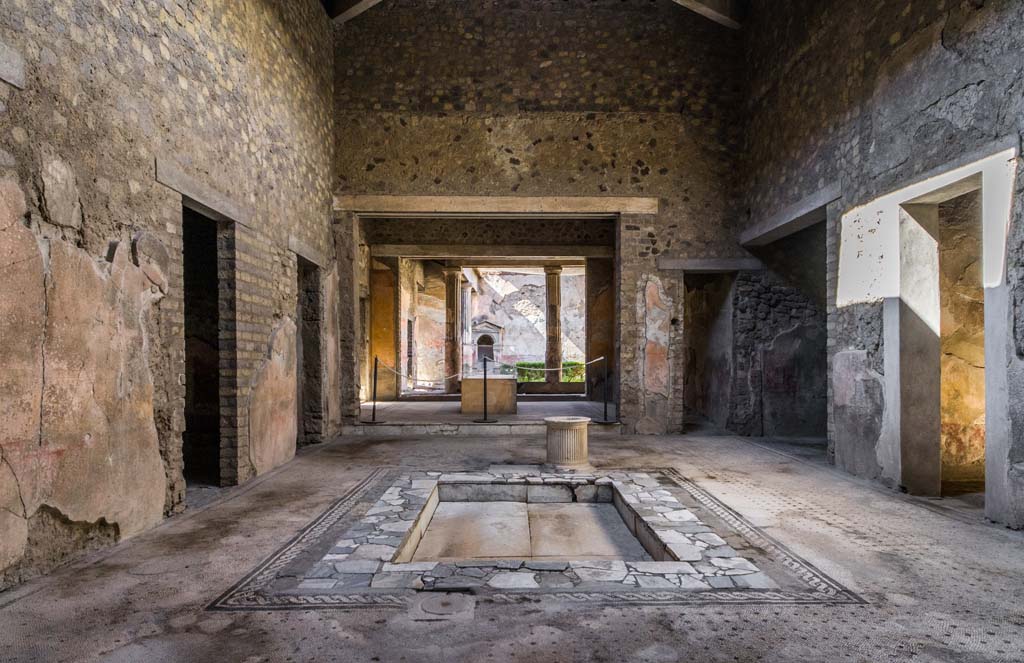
723, 12
499, 263
474, 251
570, 206
298, 247
794, 218
12, 66
200, 196
710, 265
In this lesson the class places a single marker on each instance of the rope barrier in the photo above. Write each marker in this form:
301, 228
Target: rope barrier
491, 361
418, 381
528, 368
486, 360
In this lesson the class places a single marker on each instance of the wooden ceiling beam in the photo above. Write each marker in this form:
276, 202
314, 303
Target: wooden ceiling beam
723, 12
343, 11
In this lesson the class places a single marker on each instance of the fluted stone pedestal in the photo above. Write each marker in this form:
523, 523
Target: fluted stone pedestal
567, 440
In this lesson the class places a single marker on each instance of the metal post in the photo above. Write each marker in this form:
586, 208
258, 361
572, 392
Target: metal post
485, 420
604, 388
604, 392
373, 417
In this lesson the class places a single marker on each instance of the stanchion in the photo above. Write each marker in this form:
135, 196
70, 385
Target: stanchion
604, 392
485, 420
373, 416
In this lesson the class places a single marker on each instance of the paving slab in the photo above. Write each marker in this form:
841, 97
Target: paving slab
579, 531
468, 530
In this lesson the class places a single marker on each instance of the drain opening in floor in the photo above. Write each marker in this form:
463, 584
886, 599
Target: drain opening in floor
521, 530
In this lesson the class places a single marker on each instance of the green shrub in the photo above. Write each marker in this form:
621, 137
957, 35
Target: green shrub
572, 371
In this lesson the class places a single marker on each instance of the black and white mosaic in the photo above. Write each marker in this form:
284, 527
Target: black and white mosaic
357, 554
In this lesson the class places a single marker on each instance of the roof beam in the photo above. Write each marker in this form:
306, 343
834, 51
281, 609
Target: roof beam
723, 12
343, 11
487, 206
491, 252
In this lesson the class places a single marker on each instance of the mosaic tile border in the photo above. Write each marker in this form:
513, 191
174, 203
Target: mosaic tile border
681, 551
258, 590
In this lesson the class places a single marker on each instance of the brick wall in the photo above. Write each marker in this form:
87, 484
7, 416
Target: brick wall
552, 98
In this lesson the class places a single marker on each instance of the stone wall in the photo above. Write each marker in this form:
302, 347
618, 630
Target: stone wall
755, 348
873, 96
556, 98
490, 232
708, 320
779, 367
110, 113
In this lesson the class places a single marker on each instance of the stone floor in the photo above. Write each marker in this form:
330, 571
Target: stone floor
937, 582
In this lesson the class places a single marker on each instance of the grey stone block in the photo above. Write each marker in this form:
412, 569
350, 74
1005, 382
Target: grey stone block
547, 566
397, 581
353, 581
720, 582
320, 570
12, 66
481, 492
586, 493
458, 583
548, 493
754, 581
357, 566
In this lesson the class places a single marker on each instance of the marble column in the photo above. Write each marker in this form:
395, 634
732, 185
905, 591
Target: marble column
452, 326
553, 354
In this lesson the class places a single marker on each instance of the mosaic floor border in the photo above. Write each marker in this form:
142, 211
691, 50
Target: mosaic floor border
263, 589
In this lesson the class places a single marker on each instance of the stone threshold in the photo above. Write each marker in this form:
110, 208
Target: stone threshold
468, 429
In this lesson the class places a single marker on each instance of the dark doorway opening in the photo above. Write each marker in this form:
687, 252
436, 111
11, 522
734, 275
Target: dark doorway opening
201, 440
485, 347
309, 314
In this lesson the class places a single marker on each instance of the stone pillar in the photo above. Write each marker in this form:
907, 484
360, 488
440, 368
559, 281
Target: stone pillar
452, 326
553, 355
384, 328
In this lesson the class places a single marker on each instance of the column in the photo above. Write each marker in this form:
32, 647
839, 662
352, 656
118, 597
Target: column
553, 355
452, 326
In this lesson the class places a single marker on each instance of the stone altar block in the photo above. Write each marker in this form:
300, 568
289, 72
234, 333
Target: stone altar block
501, 395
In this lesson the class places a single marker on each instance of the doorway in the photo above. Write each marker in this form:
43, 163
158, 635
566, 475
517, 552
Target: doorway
201, 439
942, 344
309, 314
